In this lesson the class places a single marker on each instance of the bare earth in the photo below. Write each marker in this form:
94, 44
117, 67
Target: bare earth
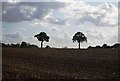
35, 63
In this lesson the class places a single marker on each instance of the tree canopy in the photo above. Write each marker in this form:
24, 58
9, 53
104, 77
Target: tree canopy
42, 36
79, 37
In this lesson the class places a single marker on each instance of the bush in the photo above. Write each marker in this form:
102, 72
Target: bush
23, 44
97, 46
47, 46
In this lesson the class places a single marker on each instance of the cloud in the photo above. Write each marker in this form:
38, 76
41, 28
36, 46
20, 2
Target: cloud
13, 1
12, 37
105, 14
17, 37
55, 20
100, 37
26, 11
78, 12
29, 1
95, 35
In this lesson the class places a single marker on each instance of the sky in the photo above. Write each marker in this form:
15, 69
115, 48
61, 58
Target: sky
97, 19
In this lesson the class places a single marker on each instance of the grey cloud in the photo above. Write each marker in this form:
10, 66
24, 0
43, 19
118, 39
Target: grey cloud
12, 37
58, 21
13, 11
95, 35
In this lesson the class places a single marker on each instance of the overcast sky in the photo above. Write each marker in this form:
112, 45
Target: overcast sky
98, 20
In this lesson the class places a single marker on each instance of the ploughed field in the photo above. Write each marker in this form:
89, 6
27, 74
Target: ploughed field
36, 63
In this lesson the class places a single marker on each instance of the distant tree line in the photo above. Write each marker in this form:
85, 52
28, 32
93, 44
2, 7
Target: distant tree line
28, 45
42, 36
22, 45
117, 45
78, 37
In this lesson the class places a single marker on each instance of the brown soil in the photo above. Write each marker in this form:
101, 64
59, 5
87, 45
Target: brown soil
35, 63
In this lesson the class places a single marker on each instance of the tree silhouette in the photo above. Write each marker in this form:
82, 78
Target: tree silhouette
79, 37
47, 46
23, 44
104, 46
42, 36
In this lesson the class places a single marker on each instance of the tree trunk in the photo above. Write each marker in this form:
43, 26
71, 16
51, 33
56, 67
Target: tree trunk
41, 44
79, 45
